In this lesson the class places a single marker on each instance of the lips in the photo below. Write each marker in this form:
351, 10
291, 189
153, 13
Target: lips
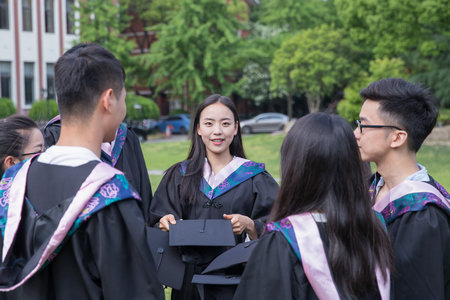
217, 142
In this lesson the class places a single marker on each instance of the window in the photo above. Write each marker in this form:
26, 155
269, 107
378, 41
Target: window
5, 79
50, 81
28, 70
49, 16
69, 17
27, 17
4, 19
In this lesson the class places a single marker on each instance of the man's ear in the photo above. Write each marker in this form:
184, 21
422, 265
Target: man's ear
105, 99
10, 161
399, 138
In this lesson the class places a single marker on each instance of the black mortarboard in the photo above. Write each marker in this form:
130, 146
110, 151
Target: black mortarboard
227, 269
169, 267
203, 232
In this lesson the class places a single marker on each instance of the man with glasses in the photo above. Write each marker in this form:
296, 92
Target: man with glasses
395, 119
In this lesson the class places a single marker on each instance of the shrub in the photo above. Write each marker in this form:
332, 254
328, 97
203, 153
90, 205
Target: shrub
38, 111
178, 111
7, 108
444, 117
141, 108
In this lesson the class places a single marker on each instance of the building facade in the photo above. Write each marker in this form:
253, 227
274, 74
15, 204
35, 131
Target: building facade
33, 34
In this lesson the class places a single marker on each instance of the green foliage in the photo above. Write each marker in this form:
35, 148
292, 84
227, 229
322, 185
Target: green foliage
103, 22
7, 108
294, 15
195, 51
177, 111
444, 117
435, 73
350, 106
417, 31
141, 108
314, 61
393, 27
150, 12
43, 110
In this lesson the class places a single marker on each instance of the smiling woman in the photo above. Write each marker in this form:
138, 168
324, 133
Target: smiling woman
20, 138
215, 182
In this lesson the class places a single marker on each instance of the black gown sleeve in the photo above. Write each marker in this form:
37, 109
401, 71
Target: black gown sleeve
265, 190
421, 247
273, 272
166, 199
131, 162
122, 258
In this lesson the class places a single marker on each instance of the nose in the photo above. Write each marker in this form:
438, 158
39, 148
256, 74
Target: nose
357, 133
217, 128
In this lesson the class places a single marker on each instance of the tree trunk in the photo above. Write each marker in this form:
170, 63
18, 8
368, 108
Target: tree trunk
289, 105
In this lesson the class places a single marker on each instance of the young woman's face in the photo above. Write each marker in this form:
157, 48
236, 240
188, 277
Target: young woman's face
35, 144
217, 127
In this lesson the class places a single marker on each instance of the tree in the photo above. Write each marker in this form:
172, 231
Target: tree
350, 106
393, 27
103, 22
415, 30
195, 52
295, 15
314, 61
256, 54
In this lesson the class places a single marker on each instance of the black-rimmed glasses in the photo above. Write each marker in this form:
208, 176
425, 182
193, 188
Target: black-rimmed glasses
32, 153
361, 126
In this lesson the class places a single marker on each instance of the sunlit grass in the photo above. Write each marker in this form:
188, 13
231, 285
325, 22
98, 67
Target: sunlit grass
266, 148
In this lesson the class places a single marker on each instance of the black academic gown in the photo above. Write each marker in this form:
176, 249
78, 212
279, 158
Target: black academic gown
421, 247
131, 162
275, 272
253, 198
106, 258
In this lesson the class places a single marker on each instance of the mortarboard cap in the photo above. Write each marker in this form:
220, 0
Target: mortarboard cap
202, 232
226, 278
169, 267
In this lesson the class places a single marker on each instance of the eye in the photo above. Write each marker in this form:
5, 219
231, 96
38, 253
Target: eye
226, 124
208, 123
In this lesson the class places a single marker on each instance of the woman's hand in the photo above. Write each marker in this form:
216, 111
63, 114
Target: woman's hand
242, 223
164, 222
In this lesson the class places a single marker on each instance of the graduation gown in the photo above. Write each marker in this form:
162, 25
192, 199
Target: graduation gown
275, 270
126, 156
251, 195
104, 255
418, 224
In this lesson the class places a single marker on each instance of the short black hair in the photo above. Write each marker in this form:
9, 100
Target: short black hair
406, 103
82, 74
14, 136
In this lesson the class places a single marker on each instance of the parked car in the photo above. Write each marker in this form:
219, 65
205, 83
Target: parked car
180, 123
266, 122
142, 128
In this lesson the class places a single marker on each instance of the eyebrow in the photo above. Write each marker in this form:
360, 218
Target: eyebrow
212, 119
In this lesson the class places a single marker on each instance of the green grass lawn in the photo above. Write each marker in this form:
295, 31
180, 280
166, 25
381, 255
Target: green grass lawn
266, 148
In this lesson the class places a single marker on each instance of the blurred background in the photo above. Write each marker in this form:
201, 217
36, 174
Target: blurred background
285, 56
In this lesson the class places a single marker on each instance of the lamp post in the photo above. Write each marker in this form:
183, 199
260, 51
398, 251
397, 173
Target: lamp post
45, 96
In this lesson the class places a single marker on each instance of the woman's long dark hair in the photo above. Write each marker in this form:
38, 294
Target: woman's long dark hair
190, 184
14, 136
322, 171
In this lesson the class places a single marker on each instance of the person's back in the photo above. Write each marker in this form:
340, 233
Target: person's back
124, 154
396, 117
71, 225
323, 241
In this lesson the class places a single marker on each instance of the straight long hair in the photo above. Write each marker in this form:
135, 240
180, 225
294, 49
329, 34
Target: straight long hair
322, 171
190, 184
